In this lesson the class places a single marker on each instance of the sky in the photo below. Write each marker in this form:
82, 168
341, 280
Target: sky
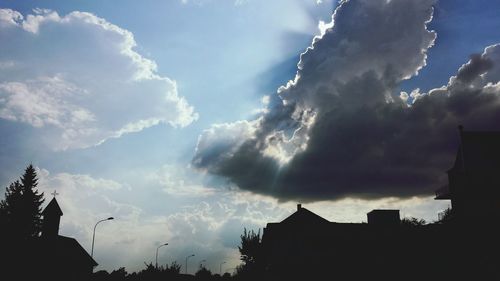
188, 120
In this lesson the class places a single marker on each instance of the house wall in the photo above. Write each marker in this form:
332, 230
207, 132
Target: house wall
475, 196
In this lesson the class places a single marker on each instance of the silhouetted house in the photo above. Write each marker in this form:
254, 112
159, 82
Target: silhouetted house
305, 245
474, 180
62, 258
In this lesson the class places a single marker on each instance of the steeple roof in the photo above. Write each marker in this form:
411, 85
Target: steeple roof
52, 208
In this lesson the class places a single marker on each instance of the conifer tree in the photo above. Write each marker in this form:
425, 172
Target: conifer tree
21, 210
32, 203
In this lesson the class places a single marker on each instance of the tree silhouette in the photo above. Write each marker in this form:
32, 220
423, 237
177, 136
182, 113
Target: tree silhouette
9, 207
203, 273
251, 255
20, 221
32, 203
413, 221
21, 210
118, 275
173, 269
446, 216
250, 247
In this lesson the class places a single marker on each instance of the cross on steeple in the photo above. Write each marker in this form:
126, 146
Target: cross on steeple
55, 193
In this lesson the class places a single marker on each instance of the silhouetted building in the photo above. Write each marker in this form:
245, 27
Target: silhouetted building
474, 180
51, 218
305, 245
384, 217
62, 258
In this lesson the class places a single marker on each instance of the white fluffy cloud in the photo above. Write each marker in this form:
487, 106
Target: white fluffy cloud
78, 80
221, 141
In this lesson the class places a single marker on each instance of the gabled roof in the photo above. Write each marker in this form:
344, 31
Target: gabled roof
304, 216
71, 249
52, 208
65, 252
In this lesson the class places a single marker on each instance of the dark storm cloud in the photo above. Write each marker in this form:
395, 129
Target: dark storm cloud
340, 129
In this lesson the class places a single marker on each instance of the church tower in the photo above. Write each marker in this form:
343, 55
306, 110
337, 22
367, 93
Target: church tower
51, 218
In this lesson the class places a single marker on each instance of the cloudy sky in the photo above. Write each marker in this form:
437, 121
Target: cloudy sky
189, 120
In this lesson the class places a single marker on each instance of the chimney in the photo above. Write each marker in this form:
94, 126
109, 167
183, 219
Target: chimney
299, 206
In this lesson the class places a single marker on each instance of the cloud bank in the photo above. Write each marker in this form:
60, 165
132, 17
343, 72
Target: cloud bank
342, 128
78, 80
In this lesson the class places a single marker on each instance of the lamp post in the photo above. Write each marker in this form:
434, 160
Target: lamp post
187, 262
93, 236
157, 253
220, 268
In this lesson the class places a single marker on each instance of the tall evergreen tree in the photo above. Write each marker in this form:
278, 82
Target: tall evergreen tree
32, 203
21, 210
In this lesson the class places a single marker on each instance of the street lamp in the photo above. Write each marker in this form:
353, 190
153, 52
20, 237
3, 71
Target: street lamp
220, 268
157, 253
93, 236
187, 262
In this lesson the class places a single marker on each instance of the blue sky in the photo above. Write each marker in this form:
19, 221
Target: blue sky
114, 106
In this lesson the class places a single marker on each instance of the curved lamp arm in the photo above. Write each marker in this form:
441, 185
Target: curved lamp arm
93, 236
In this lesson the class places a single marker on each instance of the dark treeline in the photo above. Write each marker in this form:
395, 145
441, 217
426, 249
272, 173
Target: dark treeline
150, 272
251, 267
